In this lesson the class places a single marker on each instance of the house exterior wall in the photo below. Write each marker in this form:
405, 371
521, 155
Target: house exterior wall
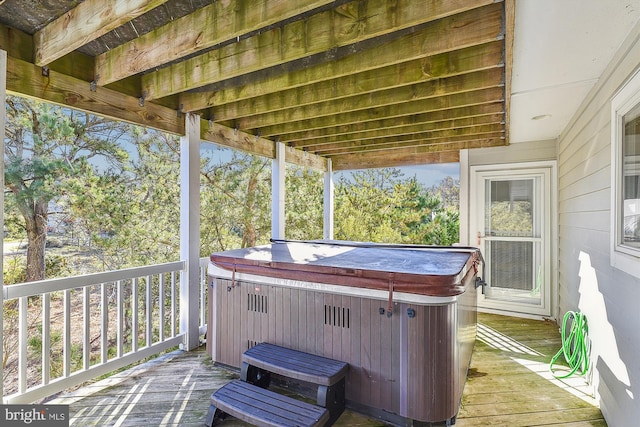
532, 155
587, 281
533, 151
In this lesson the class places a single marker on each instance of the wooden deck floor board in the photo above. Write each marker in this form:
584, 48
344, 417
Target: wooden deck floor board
508, 385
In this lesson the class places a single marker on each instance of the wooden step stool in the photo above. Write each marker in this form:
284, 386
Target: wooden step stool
262, 407
328, 374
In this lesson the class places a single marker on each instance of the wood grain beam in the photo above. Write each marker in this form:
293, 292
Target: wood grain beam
446, 102
405, 157
298, 139
18, 44
465, 123
448, 64
84, 23
432, 141
206, 27
238, 140
27, 79
321, 33
484, 79
408, 156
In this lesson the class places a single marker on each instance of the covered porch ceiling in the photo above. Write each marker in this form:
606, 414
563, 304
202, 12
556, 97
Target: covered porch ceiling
363, 83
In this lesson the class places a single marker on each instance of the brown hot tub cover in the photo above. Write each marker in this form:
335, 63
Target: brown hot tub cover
419, 269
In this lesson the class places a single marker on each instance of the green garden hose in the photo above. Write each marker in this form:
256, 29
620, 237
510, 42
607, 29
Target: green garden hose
575, 345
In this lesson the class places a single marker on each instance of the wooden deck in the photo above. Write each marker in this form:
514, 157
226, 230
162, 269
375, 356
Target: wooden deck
508, 385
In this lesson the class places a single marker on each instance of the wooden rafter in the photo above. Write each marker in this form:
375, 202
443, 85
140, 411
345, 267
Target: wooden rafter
421, 120
84, 23
445, 102
363, 83
426, 91
393, 76
321, 34
206, 27
463, 125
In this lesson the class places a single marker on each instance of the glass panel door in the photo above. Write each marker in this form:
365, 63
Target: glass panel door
512, 229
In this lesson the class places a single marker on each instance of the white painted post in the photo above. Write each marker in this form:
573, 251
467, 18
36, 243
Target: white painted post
465, 185
3, 93
328, 202
190, 230
278, 170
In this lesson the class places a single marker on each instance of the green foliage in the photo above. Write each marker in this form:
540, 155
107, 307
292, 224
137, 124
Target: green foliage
383, 206
304, 203
133, 217
15, 271
47, 153
235, 201
508, 218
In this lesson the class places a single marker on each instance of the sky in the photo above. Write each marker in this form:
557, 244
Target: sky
428, 175
432, 174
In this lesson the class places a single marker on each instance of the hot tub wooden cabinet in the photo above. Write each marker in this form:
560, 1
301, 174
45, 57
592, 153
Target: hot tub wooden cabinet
403, 317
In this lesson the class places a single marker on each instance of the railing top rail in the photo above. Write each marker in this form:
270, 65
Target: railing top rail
60, 284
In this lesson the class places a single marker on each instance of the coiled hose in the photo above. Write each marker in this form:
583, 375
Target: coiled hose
575, 345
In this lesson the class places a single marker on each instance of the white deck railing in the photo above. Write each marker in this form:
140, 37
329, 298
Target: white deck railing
71, 330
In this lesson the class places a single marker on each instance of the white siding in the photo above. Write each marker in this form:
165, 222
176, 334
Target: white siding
514, 153
587, 282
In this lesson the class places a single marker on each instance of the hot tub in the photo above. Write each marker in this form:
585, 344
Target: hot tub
403, 317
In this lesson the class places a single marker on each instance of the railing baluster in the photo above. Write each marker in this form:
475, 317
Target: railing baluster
134, 314
104, 324
46, 338
161, 305
23, 331
67, 333
149, 312
86, 336
120, 313
173, 304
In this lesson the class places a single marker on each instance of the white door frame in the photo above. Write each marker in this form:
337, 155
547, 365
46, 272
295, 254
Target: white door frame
475, 181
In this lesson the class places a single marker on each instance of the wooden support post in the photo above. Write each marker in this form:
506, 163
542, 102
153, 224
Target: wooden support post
3, 94
278, 171
190, 230
328, 202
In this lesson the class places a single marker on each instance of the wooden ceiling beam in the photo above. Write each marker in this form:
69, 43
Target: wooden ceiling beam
405, 157
317, 38
421, 91
424, 119
408, 156
398, 131
361, 65
27, 79
84, 23
483, 96
448, 64
435, 141
206, 27
238, 140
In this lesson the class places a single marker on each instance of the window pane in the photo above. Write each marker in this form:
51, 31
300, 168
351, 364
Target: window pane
631, 175
510, 208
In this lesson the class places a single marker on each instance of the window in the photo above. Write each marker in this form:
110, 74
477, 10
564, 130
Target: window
625, 156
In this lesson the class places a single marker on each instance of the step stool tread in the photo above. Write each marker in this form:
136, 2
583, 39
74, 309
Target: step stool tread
296, 364
263, 407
